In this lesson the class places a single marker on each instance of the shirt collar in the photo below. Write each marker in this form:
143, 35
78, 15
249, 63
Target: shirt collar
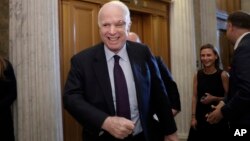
239, 39
122, 53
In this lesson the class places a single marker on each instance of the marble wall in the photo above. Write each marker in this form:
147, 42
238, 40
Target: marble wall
183, 58
34, 53
245, 5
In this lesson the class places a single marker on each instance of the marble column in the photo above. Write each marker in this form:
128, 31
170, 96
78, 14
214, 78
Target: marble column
205, 25
34, 52
245, 5
183, 58
208, 22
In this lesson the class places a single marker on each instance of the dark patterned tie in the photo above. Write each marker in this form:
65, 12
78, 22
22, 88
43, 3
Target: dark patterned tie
121, 90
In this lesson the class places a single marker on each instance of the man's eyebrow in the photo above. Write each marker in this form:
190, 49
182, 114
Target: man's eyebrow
121, 22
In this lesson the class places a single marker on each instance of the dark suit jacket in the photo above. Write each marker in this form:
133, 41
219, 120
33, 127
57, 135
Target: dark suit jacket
170, 84
88, 96
237, 108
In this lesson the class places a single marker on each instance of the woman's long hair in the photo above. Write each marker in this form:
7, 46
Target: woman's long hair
2, 67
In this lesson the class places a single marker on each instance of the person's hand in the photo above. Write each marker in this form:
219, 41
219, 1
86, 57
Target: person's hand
193, 122
175, 112
207, 98
171, 137
216, 115
119, 127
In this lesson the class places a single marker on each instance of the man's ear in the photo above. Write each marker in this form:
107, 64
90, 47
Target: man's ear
230, 26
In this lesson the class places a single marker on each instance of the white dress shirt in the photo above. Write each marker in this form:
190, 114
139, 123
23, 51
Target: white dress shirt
127, 70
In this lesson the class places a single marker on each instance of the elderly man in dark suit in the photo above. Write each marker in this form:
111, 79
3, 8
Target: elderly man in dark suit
236, 107
114, 88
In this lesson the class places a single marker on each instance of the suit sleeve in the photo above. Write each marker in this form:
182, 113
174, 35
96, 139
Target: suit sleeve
239, 87
160, 100
75, 103
170, 85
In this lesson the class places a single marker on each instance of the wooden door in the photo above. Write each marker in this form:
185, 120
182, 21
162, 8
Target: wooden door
79, 31
226, 50
153, 31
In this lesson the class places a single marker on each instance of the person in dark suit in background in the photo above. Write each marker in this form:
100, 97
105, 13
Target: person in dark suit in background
170, 84
91, 89
236, 106
8, 93
132, 36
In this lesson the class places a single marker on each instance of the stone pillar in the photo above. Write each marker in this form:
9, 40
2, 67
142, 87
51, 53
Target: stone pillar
208, 22
245, 5
205, 25
34, 52
183, 58
208, 25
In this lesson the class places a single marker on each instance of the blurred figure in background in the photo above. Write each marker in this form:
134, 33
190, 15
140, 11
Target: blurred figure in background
170, 84
8, 94
132, 36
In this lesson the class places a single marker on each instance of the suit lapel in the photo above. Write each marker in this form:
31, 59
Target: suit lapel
141, 75
136, 69
102, 75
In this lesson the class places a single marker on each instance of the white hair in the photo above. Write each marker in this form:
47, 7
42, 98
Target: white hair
119, 4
